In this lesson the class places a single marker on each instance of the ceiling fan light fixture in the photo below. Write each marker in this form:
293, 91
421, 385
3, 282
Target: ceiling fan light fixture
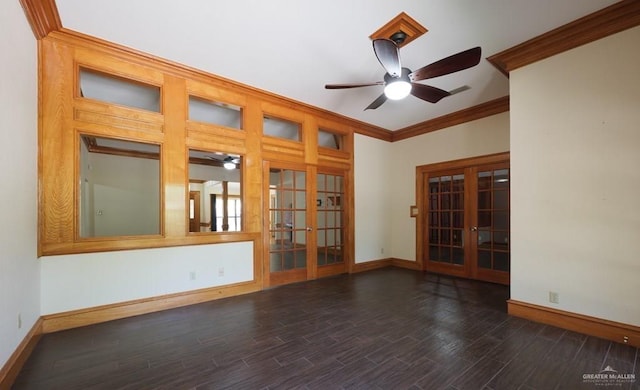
396, 90
229, 164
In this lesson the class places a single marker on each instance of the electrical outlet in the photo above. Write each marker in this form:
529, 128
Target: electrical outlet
19, 321
221, 271
554, 297
382, 251
192, 275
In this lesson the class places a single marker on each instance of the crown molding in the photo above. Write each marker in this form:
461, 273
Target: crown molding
42, 16
480, 111
610, 20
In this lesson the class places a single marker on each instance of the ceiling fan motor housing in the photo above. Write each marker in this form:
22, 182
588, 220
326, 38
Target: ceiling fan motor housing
398, 37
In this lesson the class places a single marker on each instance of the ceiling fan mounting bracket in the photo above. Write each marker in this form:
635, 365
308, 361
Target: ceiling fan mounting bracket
399, 37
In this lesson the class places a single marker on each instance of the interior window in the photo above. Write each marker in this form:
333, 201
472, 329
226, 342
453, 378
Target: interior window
281, 128
112, 89
329, 139
215, 193
215, 113
119, 187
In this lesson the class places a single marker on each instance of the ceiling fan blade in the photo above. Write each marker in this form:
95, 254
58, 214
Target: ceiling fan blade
428, 93
459, 89
457, 62
344, 86
377, 103
389, 56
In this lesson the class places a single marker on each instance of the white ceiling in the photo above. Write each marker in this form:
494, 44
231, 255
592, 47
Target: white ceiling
293, 48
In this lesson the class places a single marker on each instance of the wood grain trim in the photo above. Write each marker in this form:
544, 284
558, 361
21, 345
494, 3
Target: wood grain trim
407, 264
42, 16
480, 111
94, 315
135, 56
609, 330
610, 20
9, 372
370, 265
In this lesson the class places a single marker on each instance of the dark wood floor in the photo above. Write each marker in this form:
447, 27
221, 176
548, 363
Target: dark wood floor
383, 329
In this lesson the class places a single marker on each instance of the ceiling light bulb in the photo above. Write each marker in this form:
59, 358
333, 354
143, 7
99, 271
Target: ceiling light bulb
397, 90
229, 165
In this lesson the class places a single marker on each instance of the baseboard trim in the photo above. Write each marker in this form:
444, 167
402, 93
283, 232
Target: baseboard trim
94, 315
408, 264
370, 265
12, 367
592, 326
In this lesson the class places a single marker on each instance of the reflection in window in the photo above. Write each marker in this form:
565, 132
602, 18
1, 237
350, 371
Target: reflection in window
120, 187
281, 128
113, 89
221, 114
214, 183
331, 140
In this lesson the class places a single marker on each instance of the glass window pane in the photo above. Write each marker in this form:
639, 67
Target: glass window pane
484, 259
300, 180
328, 139
501, 220
434, 252
484, 180
458, 201
501, 200
445, 254
501, 238
458, 183
281, 128
501, 178
445, 236
501, 261
445, 201
457, 237
445, 219
117, 90
458, 219
222, 114
120, 187
445, 184
321, 182
216, 184
458, 256
484, 200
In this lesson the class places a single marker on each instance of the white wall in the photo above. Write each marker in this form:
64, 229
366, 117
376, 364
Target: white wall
19, 272
372, 199
575, 160
124, 193
71, 282
477, 138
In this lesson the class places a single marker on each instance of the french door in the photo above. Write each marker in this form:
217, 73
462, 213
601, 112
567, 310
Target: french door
464, 229
304, 224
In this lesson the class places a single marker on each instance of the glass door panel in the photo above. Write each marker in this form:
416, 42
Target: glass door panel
330, 223
492, 217
466, 221
287, 223
446, 219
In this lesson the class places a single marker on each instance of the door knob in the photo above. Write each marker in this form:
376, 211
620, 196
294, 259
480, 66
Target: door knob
309, 228
474, 228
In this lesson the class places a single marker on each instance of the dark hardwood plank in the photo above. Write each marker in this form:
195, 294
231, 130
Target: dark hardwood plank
381, 329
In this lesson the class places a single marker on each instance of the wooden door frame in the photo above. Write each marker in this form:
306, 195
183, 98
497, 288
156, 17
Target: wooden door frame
422, 197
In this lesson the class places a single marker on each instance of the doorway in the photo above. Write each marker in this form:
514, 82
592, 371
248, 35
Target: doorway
464, 229
305, 225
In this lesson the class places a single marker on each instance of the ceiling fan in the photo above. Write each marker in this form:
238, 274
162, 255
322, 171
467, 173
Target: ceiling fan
227, 162
399, 82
